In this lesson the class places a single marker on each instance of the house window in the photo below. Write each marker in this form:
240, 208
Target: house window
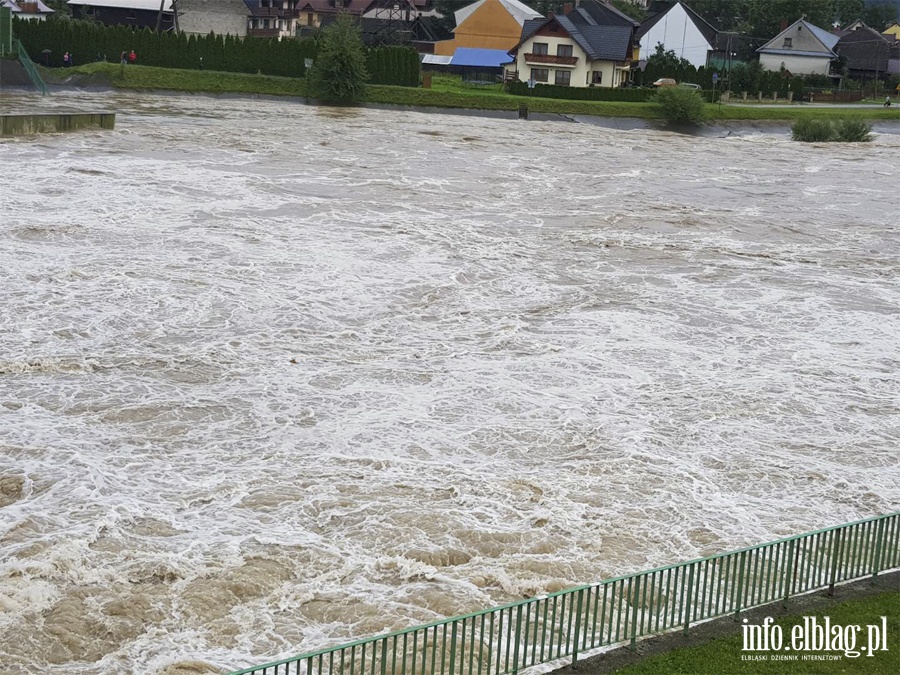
788, 43
540, 74
539, 48
597, 77
563, 78
131, 14
564, 50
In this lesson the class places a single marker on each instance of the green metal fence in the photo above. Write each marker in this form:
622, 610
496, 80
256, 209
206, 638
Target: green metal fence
523, 634
28, 65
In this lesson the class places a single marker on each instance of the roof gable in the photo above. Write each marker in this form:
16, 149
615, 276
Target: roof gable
30, 5
706, 29
865, 49
517, 10
609, 43
606, 15
823, 42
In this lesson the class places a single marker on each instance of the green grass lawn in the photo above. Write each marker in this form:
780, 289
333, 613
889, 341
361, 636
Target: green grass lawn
723, 656
446, 92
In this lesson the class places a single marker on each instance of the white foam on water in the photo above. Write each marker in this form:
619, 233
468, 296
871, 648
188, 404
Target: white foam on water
274, 377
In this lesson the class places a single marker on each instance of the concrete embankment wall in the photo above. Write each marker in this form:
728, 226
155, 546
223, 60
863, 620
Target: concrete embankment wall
21, 125
13, 75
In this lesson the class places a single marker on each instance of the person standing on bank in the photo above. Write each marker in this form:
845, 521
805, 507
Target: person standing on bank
66, 60
124, 58
132, 57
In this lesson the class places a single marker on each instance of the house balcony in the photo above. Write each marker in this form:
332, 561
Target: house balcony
541, 59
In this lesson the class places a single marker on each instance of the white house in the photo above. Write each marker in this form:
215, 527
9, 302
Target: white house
573, 50
801, 48
681, 30
23, 9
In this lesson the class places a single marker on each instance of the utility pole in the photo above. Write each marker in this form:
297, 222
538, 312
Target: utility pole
728, 61
159, 15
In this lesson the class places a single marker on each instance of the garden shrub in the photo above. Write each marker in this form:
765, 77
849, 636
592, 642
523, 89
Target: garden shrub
812, 130
680, 106
854, 130
845, 130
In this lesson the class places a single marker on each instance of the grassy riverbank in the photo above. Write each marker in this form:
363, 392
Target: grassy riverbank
723, 656
445, 94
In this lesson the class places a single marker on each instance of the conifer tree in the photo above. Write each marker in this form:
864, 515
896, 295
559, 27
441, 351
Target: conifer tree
339, 73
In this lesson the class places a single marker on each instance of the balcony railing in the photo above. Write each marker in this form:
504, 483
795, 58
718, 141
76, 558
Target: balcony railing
570, 61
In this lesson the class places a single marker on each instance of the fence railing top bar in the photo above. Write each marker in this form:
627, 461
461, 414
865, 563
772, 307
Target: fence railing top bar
568, 591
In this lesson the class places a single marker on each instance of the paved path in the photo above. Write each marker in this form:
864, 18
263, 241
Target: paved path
855, 106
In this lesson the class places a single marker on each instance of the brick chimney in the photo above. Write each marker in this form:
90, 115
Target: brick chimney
784, 24
567, 8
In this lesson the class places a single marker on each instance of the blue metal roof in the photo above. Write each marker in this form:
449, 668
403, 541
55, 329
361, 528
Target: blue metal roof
484, 58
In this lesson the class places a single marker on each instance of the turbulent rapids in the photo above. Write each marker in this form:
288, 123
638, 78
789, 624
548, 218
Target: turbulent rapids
274, 377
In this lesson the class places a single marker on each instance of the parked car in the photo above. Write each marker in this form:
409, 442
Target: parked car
690, 85
665, 82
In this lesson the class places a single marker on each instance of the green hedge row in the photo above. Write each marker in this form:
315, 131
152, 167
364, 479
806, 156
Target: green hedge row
88, 41
593, 93
393, 65
749, 77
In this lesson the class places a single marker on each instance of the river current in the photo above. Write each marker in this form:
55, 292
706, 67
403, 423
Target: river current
274, 377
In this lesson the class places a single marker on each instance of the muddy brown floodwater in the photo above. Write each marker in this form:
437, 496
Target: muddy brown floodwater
274, 377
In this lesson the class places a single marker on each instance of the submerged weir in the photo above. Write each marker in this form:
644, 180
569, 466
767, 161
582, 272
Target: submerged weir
275, 376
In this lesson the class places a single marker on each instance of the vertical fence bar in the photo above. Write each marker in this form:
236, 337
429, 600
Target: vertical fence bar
634, 611
788, 578
644, 616
603, 614
740, 585
726, 603
517, 638
525, 634
835, 562
544, 628
578, 608
472, 645
687, 610
617, 603
452, 650
879, 542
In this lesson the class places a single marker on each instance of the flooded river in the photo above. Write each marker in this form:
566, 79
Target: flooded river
274, 377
